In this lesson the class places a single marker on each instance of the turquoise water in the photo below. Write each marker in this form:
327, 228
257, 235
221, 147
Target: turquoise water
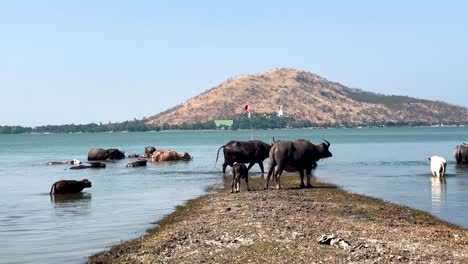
388, 163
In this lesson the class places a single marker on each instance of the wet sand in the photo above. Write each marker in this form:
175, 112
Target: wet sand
284, 226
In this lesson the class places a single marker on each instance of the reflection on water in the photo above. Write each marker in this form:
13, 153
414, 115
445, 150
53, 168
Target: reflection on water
69, 205
70, 198
438, 191
462, 169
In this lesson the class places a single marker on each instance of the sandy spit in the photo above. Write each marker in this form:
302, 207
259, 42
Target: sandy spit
284, 226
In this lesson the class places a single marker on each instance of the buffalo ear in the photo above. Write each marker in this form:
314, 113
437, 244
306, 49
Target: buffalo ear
429, 158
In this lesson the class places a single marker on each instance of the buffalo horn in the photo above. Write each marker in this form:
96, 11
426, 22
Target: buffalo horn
328, 143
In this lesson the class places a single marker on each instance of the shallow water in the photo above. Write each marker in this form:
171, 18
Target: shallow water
388, 163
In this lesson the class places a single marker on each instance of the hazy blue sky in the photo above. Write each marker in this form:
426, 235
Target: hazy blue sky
90, 61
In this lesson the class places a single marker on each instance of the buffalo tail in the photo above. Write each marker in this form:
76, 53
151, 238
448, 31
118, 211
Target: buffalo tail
217, 155
52, 188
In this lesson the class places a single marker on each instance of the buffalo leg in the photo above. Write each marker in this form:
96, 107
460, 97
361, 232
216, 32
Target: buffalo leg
261, 167
308, 174
224, 167
301, 173
271, 170
233, 183
250, 165
247, 182
278, 173
279, 170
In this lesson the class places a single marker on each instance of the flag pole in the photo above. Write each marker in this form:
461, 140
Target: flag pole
250, 120
247, 108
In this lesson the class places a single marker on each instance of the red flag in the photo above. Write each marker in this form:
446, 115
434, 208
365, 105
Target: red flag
247, 108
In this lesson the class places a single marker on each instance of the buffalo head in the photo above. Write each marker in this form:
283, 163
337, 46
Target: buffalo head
115, 154
86, 183
325, 152
149, 150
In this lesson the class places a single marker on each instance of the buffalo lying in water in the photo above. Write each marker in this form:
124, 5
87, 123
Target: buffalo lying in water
170, 155
149, 151
136, 156
461, 154
253, 151
138, 163
92, 165
74, 162
105, 154
69, 186
298, 155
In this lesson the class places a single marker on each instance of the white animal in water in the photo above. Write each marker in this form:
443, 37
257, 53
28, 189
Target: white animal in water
438, 166
74, 162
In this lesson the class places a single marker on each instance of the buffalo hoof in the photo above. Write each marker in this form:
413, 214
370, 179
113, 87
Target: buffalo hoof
302, 186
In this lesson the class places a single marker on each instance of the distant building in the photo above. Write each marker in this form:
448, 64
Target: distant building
280, 111
223, 123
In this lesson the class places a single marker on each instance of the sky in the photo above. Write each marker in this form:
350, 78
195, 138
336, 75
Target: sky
80, 61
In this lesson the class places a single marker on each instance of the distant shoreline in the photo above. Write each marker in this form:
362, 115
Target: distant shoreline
283, 226
183, 130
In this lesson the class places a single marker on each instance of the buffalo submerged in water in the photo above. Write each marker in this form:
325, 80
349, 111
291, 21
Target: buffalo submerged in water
461, 154
253, 151
69, 186
105, 154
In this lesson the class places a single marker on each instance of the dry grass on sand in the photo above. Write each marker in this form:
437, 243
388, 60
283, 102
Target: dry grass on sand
282, 226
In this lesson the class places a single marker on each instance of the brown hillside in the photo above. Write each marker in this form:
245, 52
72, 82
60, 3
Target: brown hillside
308, 97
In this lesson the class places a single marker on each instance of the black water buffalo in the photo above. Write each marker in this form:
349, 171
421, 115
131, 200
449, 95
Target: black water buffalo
251, 152
69, 186
239, 171
92, 165
461, 154
149, 151
138, 163
105, 154
297, 155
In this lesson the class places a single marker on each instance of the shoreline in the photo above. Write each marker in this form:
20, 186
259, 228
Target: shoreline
284, 225
244, 129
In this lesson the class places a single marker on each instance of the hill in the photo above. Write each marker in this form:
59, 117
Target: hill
305, 96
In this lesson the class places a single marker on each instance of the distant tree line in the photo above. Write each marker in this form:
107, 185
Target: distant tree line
131, 126
258, 121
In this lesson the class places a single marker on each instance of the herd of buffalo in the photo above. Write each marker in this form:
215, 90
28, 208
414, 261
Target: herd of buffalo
97, 156
299, 155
